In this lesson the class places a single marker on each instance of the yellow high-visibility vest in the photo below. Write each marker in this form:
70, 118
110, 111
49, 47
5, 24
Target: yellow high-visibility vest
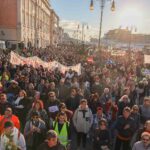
63, 134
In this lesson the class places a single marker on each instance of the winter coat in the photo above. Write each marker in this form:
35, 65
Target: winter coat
83, 119
101, 138
121, 123
18, 140
34, 138
12, 118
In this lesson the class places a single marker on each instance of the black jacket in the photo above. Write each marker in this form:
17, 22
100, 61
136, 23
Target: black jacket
121, 123
101, 138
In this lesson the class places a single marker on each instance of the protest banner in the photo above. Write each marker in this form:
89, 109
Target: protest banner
36, 62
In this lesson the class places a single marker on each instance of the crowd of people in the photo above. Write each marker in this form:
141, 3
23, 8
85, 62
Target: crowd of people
107, 107
55, 53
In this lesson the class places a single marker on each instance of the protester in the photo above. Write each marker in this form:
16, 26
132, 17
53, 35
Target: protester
144, 144
38, 107
62, 128
63, 108
52, 105
125, 126
145, 110
51, 142
123, 102
3, 103
136, 116
9, 116
101, 136
20, 106
12, 91
82, 121
146, 128
12, 138
34, 131
98, 117
73, 100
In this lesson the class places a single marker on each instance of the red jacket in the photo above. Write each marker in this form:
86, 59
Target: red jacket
12, 118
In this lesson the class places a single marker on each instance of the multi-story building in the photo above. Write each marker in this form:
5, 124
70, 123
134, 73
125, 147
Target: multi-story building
54, 28
31, 22
126, 36
35, 22
60, 34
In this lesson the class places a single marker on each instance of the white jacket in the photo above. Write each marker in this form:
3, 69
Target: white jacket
18, 139
83, 123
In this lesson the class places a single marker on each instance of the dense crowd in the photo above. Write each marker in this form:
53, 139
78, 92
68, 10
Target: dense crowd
107, 107
55, 53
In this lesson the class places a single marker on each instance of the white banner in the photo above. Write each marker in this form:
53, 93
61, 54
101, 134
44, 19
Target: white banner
147, 59
118, 53
37, 62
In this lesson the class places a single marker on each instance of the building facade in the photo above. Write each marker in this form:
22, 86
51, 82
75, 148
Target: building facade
54, 27
35, 22
60, 35
31, 22
126, 36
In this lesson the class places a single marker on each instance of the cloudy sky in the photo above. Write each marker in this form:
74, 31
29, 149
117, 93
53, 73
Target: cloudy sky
135, 13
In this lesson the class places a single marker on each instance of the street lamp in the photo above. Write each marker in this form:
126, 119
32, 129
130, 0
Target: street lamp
102, 2
91, 5
113, 6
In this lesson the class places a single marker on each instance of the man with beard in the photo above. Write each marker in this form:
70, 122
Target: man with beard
52, 105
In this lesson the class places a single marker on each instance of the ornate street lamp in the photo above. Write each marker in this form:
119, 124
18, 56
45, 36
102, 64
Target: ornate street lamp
113, 6
91, 5
102, 2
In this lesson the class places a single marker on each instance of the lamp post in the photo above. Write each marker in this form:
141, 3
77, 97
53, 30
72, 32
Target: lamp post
102, 4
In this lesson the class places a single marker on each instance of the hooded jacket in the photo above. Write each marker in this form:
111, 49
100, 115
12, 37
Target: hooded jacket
83, 119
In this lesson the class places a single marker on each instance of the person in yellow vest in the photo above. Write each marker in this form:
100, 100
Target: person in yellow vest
62, 128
